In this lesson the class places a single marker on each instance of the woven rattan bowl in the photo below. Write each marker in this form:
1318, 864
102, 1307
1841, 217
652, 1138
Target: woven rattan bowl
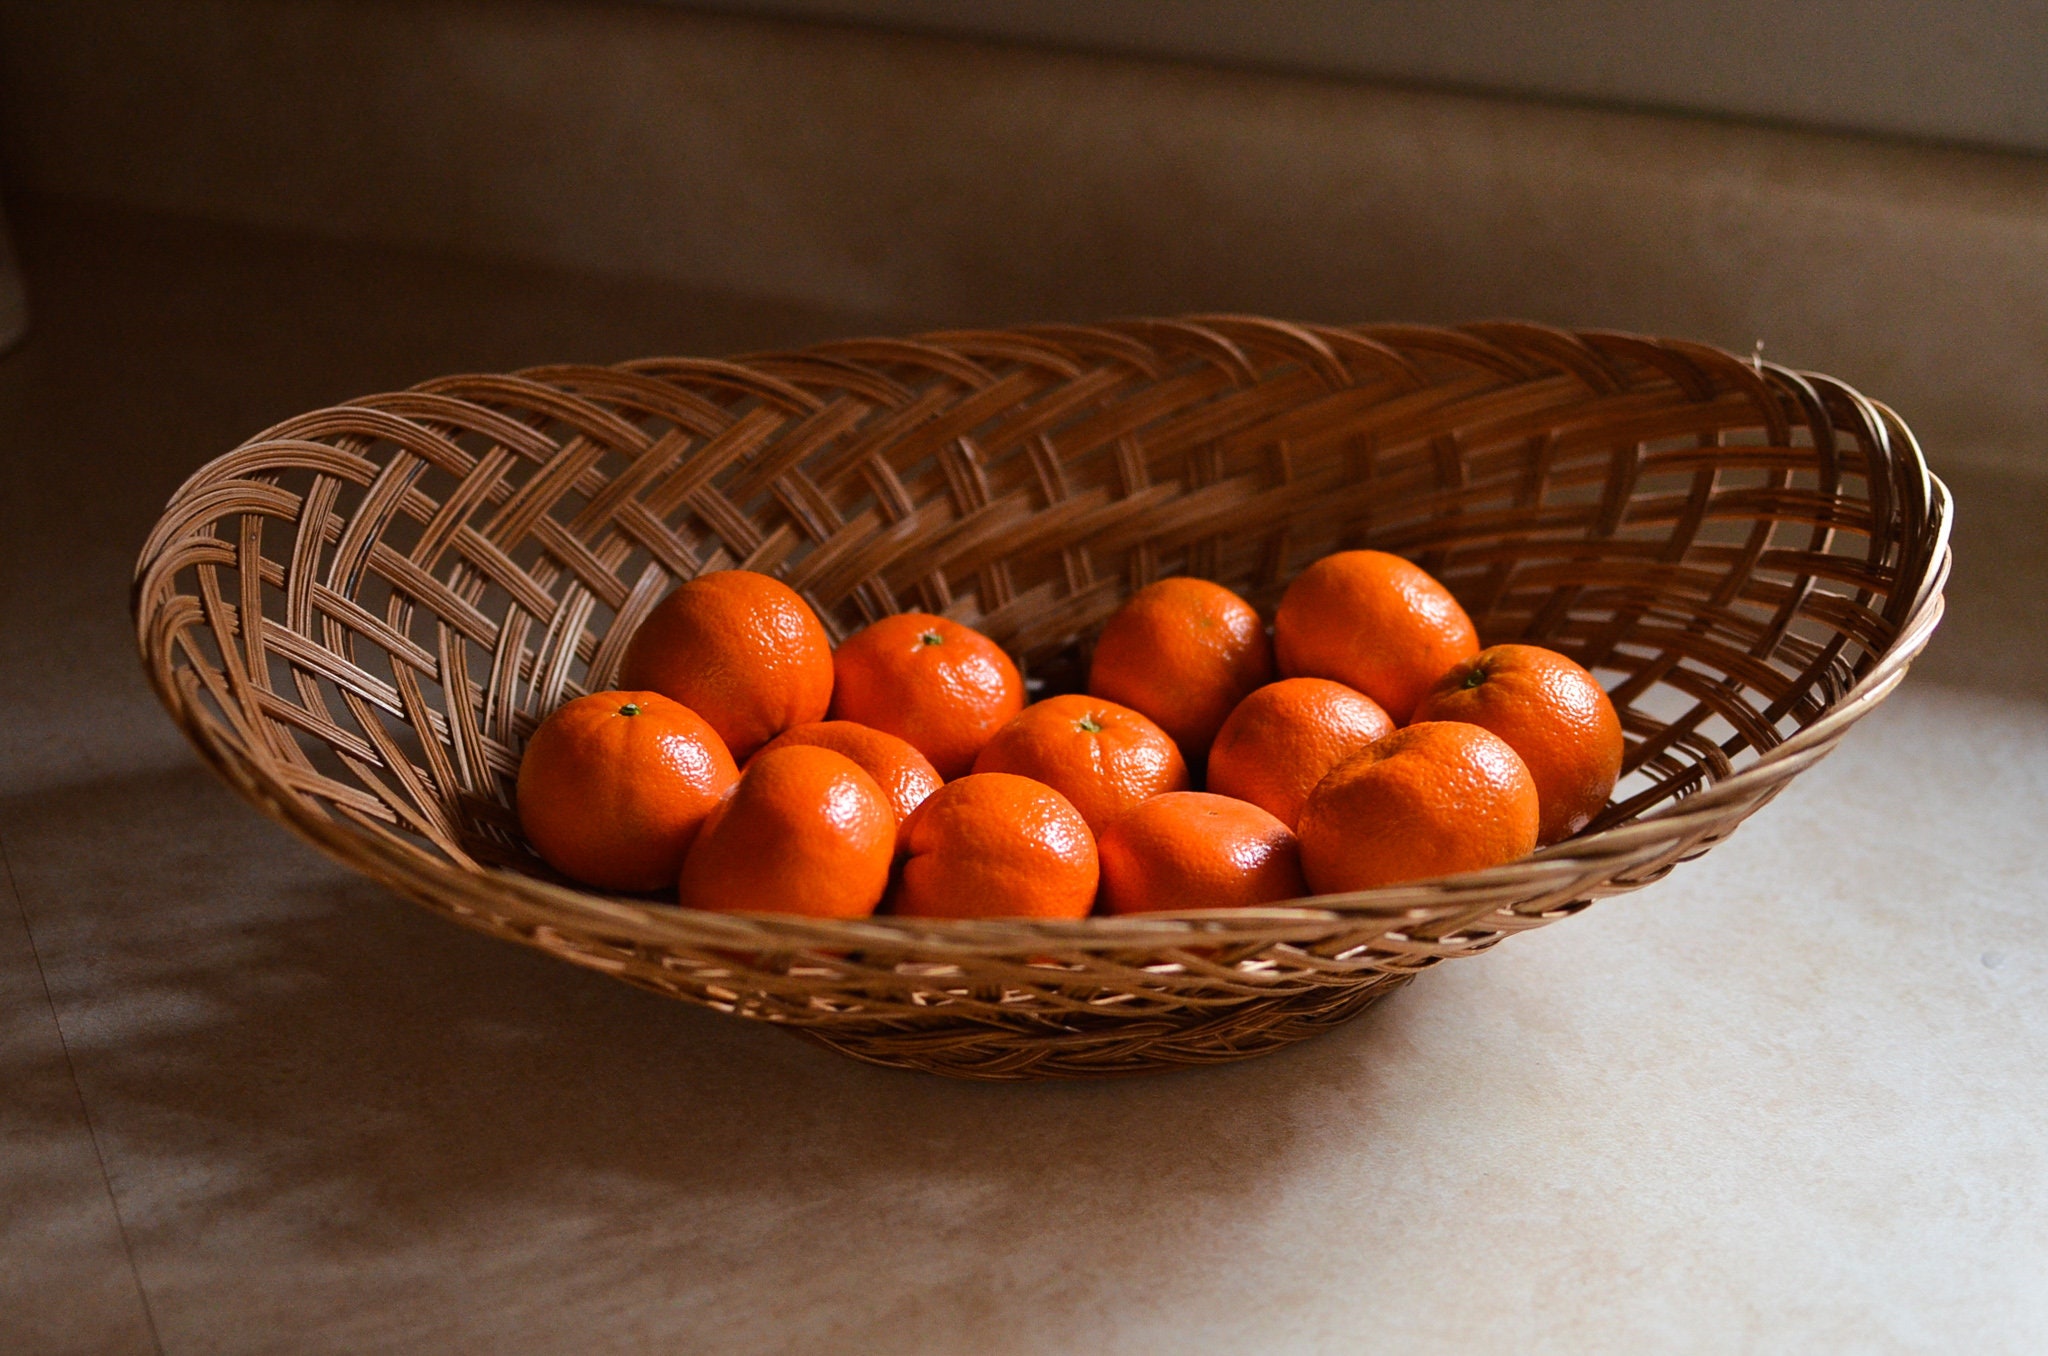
360, 615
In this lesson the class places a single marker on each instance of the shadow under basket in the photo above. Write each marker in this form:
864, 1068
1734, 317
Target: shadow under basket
360, 615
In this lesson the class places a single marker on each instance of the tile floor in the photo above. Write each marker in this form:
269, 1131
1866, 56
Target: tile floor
1788, 1100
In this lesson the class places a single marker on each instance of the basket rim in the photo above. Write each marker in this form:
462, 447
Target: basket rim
1572, 865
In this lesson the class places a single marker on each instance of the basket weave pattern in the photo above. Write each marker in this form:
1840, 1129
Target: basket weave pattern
360, 615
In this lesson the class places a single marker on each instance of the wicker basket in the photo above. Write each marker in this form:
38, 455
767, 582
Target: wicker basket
1748, 556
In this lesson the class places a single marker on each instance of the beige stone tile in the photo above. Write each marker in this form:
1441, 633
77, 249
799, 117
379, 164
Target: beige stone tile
1786, 1100
161, 345
1995, 636
66, 1281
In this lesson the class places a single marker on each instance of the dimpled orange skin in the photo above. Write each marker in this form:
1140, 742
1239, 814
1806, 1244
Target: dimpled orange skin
1183, 652
1430, 800
942, 687
1553, 714
991, 845
1284, 738
905, 775
613, 788
1194, 850
1102, 757
1374, 622
740, 649
805, 831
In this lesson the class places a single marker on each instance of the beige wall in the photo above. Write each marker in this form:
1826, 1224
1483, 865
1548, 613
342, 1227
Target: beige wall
925, 181
1958, 70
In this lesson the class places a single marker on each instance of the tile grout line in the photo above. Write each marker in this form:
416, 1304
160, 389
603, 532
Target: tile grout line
85, 1111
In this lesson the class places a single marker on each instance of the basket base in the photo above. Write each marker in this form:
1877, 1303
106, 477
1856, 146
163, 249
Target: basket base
1105, 1047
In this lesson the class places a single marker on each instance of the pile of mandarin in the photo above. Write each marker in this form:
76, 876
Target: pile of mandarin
748, 766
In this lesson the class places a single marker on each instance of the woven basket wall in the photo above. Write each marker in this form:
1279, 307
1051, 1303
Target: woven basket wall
360, 615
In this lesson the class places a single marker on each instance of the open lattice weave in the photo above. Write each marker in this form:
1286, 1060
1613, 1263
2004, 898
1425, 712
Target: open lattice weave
360, 615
